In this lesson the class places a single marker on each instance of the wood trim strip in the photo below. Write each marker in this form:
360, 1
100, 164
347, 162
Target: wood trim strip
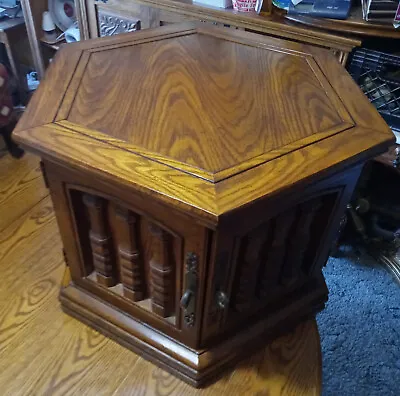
36, 51
337, 103
354, 146
201, 173
144, 176
81, 11
135, 41
273, 24
138, 36
58, 76
151, 155
254, 40
203, 199
73, 86
277, 153
362, 111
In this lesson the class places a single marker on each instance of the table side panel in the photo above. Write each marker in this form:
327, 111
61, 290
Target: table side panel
130, 252
272, 250
136, 173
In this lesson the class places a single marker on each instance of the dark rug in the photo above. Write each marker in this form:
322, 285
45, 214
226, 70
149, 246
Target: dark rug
360, 328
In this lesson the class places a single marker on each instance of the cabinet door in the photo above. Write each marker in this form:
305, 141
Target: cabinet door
135, 254
163, 18
100, 18
269, 257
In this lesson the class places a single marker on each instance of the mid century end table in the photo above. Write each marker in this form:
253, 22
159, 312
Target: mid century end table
198, 176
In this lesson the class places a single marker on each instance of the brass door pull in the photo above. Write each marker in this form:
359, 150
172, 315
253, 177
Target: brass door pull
188, 299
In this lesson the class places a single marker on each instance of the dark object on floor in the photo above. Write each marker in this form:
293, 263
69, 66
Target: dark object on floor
360, 328
13, 37
7, 115
373, 216
12, 147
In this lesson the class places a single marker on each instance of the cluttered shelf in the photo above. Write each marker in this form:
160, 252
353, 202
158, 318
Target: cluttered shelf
55, 36
53, 46
354, 24
360, 19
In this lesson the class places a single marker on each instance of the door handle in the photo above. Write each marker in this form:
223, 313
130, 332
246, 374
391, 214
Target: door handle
188, 299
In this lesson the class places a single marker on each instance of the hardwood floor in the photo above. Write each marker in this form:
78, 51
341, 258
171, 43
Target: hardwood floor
45, 352
21, 187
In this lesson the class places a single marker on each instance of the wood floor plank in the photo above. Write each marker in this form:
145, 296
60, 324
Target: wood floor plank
21, 186
288, 366
22, 245
31, 265
76, 361
50, 352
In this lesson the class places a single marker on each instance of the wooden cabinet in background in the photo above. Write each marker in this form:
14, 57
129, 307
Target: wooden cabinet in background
107, 17
33, 11
99, 18
114, 17
198, 176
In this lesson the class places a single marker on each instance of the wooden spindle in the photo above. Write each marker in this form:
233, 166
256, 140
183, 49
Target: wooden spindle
277, 252
161, 272
299, 241
131, 271
100, 240
250, 264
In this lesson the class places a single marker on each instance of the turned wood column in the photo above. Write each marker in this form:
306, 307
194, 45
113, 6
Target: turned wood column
100, 240
249, 271
131, 272
277, 252
299, 241
161, 272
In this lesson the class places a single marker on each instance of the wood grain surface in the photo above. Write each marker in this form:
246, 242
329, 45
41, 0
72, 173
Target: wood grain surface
210, 120
203, 100
45, 352
210, 99
153, 13
202, 199
145, 176
19, 187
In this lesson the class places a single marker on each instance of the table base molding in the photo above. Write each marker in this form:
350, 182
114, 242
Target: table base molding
196, 367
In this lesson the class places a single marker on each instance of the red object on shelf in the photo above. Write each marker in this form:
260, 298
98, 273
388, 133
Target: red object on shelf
244, 5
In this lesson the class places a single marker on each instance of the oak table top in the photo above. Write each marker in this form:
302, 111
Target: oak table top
203, 110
